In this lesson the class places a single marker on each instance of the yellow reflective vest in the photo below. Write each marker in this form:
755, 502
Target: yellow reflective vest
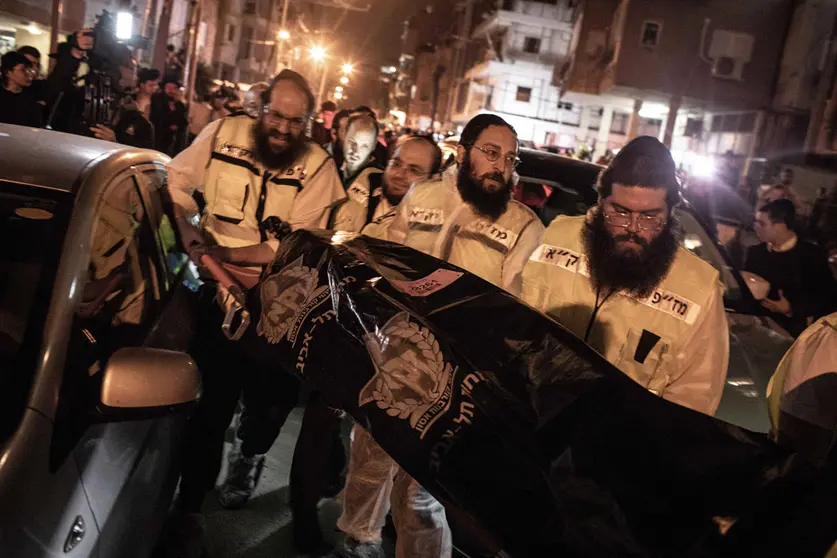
434, 219
675, 342
241, 193
364, 203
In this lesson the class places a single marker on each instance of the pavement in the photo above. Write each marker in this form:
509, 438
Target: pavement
262, 529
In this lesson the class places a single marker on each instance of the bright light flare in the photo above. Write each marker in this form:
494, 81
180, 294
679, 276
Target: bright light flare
338, 95
34, 29
339, 89
318, 53
124, 26
344, 80
347, 68
284, 35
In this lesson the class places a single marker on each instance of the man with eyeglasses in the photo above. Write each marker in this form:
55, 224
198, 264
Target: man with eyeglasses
252, 173
17, 104
467, 217
619, 279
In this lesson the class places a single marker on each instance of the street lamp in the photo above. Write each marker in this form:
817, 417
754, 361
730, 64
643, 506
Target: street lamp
284, 35
318, 53
339, 89
347, 68
344, 80
338, 95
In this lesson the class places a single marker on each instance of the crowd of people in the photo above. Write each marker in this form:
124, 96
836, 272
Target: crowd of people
617, 277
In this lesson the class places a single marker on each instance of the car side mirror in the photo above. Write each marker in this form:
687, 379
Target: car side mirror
142, 383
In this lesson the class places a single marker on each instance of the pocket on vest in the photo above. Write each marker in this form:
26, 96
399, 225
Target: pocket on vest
643, 360
230, 197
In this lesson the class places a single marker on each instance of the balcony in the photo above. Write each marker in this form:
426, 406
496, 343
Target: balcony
530, 13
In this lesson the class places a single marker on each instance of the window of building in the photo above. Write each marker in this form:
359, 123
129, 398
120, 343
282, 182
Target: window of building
651, 31
230, 33
524, 94
532, 45
595, 117
245, 44
250, 6
619, 124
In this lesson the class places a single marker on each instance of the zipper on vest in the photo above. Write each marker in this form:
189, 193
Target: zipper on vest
260, 209
595, 312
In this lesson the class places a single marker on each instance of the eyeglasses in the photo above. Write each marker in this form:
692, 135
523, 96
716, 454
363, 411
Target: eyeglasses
275, 119
413, 170
493, 155
624, 219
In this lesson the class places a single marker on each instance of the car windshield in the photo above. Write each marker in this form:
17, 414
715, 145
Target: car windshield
698, 241
32, 227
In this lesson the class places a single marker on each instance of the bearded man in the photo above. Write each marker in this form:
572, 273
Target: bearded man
252, 172
619, 279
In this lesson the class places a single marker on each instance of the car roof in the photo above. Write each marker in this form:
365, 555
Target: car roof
571, 174
48, 158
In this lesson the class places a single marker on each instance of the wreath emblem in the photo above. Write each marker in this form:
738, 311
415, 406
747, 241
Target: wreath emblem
411, 374
283, 296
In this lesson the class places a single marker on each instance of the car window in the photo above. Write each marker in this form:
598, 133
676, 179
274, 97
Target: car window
696, 239
33, 223
174, 259
124, 284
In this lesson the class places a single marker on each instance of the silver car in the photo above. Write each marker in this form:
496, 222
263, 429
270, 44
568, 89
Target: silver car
94, 316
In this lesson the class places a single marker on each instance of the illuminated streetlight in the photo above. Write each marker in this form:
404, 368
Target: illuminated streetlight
339, 89
318, 53
344, 80
348, 68
284, 35
338, 95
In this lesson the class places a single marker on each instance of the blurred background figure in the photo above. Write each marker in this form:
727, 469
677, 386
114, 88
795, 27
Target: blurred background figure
17, 104
253, 99
168, 115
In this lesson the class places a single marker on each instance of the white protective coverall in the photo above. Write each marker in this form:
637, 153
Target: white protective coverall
675, 342
434, 219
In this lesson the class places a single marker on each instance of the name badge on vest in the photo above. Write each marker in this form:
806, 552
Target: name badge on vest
426, 219
493, 233
232, 150
673, 305
561, 257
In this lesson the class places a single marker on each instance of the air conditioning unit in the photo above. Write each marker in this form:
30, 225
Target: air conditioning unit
729, 51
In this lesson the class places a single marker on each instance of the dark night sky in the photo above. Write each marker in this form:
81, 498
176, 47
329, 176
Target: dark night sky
370, 39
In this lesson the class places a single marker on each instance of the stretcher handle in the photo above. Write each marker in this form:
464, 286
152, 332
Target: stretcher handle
238, 310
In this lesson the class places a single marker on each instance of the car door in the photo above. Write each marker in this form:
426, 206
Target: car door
755, 348
127, 468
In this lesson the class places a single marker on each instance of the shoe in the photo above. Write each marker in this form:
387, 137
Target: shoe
308, 538
242, 479
183, 536
351, 548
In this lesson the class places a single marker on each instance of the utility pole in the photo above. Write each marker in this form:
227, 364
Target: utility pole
191, 70
819, 119
161, 41
459, 56
57, 8
322, 86
280, 42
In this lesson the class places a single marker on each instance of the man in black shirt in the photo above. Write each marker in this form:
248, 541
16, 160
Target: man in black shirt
17, 104
802, 287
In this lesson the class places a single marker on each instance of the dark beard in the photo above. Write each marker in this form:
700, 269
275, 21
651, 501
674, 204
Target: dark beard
487, 203
636, 273
270, 158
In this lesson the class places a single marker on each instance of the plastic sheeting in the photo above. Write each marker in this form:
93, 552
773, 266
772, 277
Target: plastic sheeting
498, 410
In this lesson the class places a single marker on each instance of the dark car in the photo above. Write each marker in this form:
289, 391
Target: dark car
94, 317
555, 185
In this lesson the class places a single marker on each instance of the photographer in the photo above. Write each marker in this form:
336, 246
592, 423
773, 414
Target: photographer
131, 124
64, 97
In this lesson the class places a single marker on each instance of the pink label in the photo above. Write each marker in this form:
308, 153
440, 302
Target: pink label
426, 286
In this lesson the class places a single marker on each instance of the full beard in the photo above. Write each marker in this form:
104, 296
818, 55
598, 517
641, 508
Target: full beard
486, 202
271, 158
637, 273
